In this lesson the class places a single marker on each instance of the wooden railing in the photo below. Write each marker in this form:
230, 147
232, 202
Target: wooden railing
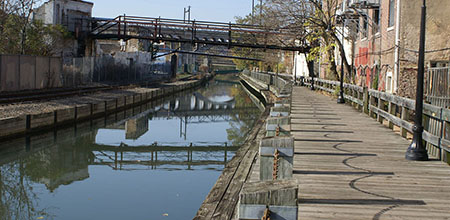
397, 111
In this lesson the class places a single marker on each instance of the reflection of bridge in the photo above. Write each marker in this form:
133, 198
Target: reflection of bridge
201, 32
113, 156
197, 102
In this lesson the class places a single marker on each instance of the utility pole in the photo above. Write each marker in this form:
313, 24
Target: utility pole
341, 99
187, 11
253, 11
260, 11
416, 150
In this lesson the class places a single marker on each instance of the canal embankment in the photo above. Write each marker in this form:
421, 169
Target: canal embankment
34, 116
225, 198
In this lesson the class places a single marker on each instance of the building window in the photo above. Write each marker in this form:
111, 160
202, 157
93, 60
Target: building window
376, 21
357, 26
365, 27
389, 82
58, 20
434, 64
391, 13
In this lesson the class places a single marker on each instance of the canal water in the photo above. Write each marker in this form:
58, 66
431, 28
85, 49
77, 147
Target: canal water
155, 161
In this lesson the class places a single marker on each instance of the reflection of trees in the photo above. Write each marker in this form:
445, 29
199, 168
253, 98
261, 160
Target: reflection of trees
17, 199
52, 165
62, 164
243, 122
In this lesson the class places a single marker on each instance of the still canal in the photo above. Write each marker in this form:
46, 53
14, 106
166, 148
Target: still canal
155, 161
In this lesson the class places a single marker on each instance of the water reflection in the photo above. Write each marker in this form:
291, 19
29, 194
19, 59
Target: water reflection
63, 174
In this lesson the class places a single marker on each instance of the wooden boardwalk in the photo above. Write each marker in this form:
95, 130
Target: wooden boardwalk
349, 166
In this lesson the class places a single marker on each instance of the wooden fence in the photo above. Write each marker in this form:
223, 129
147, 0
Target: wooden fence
397, 111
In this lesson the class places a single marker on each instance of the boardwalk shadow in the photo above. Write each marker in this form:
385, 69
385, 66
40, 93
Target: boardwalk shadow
327, 140
323, 131
362, 201
341, 172
336, 154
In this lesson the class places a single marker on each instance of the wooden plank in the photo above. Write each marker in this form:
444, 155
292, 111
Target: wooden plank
368, 178
223, 197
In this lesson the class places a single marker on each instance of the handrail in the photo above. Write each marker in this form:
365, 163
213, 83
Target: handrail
136, 20
374, 103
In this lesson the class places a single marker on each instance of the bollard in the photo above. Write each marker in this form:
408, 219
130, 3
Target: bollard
279, 111
278, 199
284, 147
286, 120
276, 130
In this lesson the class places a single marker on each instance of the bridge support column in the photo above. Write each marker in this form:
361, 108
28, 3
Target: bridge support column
173, 66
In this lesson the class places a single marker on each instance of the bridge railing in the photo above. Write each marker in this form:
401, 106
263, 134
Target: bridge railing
396, 113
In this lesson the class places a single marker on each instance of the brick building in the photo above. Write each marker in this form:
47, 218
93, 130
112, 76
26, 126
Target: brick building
382, 41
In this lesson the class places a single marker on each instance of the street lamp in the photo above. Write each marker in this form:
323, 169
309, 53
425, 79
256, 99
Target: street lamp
341, 99
416, 150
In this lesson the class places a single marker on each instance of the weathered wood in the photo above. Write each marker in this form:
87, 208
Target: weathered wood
223, 197
380, 105
366, 101
279, 120
278, 130
276, 192
391, 111
404, 117
267, 149
279, 111
279, 196
362, 174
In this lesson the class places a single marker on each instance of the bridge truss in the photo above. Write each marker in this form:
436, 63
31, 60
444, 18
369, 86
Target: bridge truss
193, 32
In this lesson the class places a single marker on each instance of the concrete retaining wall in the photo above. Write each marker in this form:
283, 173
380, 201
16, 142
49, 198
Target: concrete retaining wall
23, 72
30, 123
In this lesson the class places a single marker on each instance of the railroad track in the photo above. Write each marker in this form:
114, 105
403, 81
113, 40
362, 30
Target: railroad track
14, 97
39, 95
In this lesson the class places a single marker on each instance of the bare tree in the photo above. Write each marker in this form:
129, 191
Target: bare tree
315, 22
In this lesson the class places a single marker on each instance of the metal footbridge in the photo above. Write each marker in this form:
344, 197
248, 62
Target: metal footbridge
194, 32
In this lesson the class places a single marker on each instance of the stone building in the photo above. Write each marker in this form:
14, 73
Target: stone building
75, 15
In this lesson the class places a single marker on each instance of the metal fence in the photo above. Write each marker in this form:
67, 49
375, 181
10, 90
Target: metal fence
24, 72
86, 70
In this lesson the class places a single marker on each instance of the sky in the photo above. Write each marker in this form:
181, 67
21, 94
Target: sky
205, 10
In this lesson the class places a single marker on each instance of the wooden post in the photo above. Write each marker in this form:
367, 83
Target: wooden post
279, 111
391, 111
365, 101
279, 120
267, 149
380, 108
279, 197
405, 117
371, 103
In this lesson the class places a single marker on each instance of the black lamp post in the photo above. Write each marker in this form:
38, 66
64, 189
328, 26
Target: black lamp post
416, 150
341, 99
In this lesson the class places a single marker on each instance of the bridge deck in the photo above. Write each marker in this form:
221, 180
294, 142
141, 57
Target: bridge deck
351, 167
